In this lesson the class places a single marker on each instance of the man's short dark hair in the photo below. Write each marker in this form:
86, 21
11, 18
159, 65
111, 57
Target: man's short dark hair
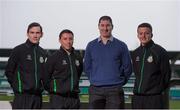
105, 18
65, 31
145, 25
34, 24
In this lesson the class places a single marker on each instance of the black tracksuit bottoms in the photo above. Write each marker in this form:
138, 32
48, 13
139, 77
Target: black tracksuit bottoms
64, 101
27, 101
148, 102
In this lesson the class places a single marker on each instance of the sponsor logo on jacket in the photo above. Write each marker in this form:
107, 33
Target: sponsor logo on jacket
137, 58
64, 62
29, 57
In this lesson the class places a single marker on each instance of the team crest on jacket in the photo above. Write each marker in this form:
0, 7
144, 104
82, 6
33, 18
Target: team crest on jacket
150, 59
77, 62
41, 59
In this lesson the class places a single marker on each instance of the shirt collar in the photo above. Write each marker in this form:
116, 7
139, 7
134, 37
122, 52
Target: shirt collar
110, 39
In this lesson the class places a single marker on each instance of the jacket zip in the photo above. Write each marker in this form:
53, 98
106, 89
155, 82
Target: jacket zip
35, 66
142, 71
71, 71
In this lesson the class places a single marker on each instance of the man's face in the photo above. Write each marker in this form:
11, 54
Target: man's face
34, 34
144, 35
105, 28
66, 41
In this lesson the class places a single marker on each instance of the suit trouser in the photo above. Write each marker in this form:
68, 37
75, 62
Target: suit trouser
27, 101
106, 97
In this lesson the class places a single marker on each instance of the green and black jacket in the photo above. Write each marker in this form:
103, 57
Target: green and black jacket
63, 72
25, 68
152, 69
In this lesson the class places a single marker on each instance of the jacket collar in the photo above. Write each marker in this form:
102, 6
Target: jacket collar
30, 44
149, 44
64, 51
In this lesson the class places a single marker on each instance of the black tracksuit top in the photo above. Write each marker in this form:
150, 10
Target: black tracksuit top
152, 69
25, 68
63, 72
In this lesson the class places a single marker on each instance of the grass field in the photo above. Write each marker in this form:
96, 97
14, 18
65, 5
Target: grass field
174, 104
